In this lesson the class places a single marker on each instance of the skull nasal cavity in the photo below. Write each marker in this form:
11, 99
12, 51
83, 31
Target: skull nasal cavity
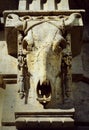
44, 88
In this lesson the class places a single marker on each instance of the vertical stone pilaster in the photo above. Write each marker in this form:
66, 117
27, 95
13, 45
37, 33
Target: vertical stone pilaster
49, 5
63, 5
22, 5
35, 5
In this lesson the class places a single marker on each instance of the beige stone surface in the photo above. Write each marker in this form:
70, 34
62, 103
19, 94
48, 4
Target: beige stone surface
8, 64
9, 105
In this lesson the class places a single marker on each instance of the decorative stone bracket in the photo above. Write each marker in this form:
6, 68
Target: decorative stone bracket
20, 30
43, 42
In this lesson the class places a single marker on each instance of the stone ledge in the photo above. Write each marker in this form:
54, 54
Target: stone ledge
46, 122
42, 12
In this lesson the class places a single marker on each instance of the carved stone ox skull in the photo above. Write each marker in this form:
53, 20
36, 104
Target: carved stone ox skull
43, 41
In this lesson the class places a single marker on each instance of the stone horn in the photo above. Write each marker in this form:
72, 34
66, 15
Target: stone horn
16, 21
72, 20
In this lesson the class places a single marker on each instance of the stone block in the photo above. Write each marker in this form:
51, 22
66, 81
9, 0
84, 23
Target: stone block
35, 5
8, 118
49, 5
63, 5
22, 5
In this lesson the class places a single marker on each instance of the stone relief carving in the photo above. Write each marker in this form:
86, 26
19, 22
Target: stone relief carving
44, 56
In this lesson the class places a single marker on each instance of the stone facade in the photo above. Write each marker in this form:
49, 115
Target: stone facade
40, 65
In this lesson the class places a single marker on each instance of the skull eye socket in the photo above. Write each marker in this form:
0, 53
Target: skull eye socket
58, 49
27, 46
62, 44
58, 46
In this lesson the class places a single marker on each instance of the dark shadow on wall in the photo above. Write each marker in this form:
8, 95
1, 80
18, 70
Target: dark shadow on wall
8, 5
79, 4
